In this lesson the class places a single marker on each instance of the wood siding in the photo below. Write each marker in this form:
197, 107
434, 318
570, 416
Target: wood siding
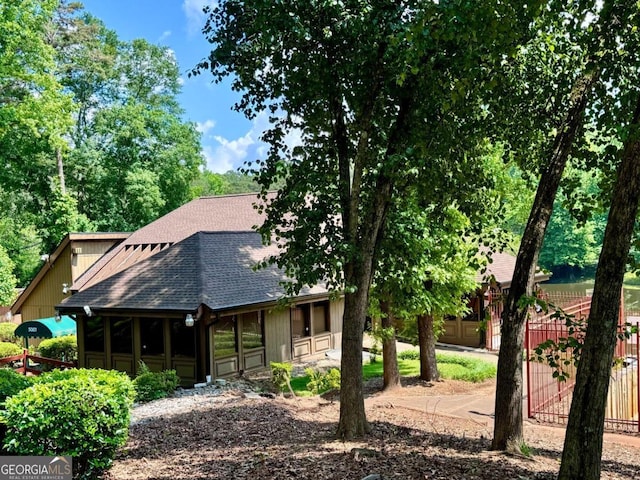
86, 253
48, 292
336, 309
76, 257
277, 332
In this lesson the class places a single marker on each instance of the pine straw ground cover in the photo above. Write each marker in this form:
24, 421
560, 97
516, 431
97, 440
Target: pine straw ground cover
228, 435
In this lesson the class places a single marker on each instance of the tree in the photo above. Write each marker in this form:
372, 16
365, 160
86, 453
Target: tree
592, 45
582, 453
378, 90
425, 268
135, 158
34, 111
8, 281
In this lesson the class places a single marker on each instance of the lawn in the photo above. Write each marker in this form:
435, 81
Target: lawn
451, 367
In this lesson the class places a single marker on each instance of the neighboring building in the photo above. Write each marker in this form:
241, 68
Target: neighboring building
481, 326
73, 256
182, 293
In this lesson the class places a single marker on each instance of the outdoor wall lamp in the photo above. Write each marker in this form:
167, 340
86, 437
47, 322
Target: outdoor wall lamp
65, 288
189, 320
58, 317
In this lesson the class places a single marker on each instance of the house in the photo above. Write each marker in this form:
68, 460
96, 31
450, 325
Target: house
182, 293
71, 258
481, 326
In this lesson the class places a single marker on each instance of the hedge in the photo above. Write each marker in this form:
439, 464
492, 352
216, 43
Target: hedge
60, 348
8, 349
7, 330
82, 413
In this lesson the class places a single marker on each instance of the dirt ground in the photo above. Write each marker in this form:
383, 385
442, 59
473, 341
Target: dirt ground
238, 434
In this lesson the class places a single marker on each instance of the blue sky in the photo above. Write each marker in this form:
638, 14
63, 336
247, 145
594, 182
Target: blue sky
228, 139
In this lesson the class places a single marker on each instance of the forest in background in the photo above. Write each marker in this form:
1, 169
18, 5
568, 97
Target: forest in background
92, 138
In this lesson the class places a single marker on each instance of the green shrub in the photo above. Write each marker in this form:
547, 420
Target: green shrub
7, 330
12, 382
322, 381
153, 385
409, 355
281, 375
64, 348
82, 413
9, 349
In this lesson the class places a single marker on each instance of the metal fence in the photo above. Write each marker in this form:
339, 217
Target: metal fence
549, 400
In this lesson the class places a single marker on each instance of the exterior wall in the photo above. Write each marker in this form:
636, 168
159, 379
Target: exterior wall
190, 369
48, 292
277, 332
76, 257
279, 346
337, 313
461, 332
85, 253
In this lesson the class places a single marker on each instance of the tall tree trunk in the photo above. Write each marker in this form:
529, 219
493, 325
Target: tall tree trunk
582, 453
353, 421
427, 343
390, 371
63, 187
507, 433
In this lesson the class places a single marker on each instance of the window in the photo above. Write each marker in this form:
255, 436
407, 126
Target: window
183, 339
121, 337
151, 336
300, 326
94, 335
321, 318
473, 304
224, 336
252, 335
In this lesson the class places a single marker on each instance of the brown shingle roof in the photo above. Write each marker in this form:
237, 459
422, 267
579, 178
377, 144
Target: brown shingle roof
227, 213
502, 268
210, 268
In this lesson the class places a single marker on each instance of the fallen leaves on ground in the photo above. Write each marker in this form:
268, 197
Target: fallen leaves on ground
230, 436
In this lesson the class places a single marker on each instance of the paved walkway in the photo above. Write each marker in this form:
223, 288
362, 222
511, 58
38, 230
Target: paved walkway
478, 408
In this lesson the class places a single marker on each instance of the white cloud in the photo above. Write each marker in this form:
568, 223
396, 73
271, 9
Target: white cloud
231, 154
166, 34
204, 127
195, 16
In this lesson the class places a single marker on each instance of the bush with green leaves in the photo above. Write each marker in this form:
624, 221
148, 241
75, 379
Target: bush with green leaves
281, 375
63, 348
7, 330
82, 413
154, 385
409, 355
8, 349
12, 382
321, 381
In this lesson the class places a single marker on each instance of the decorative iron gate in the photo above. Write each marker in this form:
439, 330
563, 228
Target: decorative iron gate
549, 400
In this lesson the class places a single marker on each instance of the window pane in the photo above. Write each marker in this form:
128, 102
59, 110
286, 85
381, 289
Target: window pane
94, 334
300, 321
320, 318
224, 336
121, 337
183, 339
252, 331
151, 336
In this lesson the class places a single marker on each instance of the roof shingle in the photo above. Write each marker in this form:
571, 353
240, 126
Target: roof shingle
215, 269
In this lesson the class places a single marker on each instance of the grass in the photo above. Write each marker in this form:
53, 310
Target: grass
451, 367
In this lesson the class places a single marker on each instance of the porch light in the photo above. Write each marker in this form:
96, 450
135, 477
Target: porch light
188, 320
58, 317
65, 288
